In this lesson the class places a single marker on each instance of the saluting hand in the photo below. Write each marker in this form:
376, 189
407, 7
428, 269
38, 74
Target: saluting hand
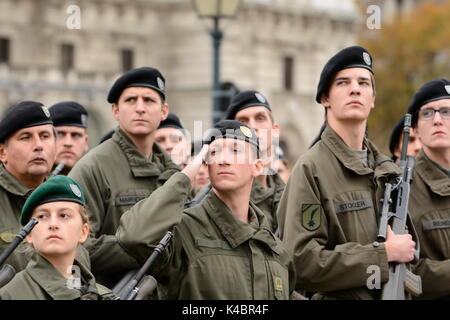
194, 165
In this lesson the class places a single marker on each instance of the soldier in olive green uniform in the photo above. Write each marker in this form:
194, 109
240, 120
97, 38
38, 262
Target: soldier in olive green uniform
330, 206
429, 203
27, 154
222, 248
253, 109
124, 169
53, 272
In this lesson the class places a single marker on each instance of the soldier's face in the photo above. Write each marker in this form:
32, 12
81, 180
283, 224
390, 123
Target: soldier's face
351, 96
232, 164
258, 118
435, 133
139, 111
60, 229
71, 144
175, 143
30, 152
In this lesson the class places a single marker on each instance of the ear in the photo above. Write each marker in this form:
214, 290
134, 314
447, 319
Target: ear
86, 141
3, 154
275, 130
115, 111
84, 233
164, 111
29, 238
325, 101
258, 169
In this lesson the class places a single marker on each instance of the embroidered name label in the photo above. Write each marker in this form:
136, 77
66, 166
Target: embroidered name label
354, 205
128, 199
435, 224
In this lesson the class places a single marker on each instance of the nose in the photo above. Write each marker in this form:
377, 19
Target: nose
53, 222
38, 143
437, 118
67, 140
140, 105
355, 87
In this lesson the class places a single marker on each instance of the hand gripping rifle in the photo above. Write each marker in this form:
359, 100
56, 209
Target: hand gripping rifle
8, 272
394, 212
130, 289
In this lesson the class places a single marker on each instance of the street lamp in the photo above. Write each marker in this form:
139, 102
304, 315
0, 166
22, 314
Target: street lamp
216, 10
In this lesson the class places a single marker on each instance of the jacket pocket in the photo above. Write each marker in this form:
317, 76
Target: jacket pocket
278, 278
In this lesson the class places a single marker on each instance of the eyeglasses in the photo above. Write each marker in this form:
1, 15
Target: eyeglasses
428, 114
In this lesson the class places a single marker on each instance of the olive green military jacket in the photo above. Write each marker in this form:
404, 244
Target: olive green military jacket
268, 199
212, 255
429, 207
41, 281
115, 176
329, 211
12, 197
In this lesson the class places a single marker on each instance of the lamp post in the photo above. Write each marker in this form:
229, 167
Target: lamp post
216, 10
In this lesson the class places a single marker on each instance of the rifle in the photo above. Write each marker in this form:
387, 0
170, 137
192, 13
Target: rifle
8, 272
57, 170
199, 198
394, 211
129, 289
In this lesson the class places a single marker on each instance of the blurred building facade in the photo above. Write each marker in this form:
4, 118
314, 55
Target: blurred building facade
275, 46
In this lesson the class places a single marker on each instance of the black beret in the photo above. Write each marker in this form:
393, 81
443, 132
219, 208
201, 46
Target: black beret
68, 113
172, 121
350, 57
139, 77
25, 114
231, 129
246, 99
58, 188
433, 90
396, 134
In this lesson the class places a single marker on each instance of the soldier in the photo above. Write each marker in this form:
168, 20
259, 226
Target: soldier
330, 204
171, 136
222, 248
396, 141
429, 203
27, 154
70, 121
54, 273
125, 169
253, 109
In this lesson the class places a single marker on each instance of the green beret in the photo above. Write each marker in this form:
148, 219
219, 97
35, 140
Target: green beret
58, 188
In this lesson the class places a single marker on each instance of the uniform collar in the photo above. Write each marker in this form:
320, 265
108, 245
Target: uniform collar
434, 177
382, 164
53, 282
11, 184
237, 232
141, 166
259, 193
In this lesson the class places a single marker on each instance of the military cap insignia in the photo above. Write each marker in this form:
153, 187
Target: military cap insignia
246, 131
46, 112
160, 83
447, 88
84, 120
76, 191
311, 216
260, 97
367, 59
